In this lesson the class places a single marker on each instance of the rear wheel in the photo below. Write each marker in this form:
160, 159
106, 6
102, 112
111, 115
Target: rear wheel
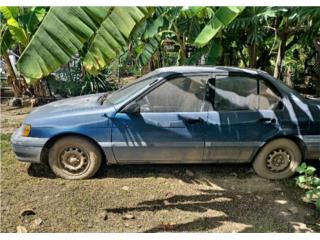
278, 159
74, 158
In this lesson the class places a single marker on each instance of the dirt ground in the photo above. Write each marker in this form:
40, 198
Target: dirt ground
149, 198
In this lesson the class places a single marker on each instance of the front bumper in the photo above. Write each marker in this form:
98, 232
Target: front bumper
27, 149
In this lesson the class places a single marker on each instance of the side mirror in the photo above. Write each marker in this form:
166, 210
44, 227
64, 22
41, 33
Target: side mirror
132, 108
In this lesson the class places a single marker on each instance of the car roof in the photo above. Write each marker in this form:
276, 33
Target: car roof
195, 69
167, 71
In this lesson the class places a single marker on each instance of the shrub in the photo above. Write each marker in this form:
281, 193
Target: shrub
309, 181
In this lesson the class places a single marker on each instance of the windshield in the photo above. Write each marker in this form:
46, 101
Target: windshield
124, 93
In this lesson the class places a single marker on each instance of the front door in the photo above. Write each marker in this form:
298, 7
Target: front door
242, 119
170, 126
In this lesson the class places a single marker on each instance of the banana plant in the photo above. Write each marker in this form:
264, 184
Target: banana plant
100, 34
186, 26
147, 39
178, 24
97, 34
221, 19
18, 26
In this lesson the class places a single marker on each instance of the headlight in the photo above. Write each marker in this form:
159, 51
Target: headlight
26, 130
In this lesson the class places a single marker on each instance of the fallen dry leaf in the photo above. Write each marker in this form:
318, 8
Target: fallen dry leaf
21, 229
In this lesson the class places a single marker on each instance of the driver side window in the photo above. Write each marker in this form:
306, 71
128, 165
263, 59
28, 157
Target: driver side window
181, 94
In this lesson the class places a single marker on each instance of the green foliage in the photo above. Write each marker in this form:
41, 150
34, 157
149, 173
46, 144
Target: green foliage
177, 27
100, 34
112, 36
142, 39
6, 41
65, 31
61, 35
87, 85
146, 50
96, 84
195, 57
215, 52
222, 18
309, 181
71, 80
19, 24
17, 32
151, 28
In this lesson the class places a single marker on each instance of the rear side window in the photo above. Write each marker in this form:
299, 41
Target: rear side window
237, 93
268, 97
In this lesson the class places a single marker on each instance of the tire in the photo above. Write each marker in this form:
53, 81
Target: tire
278, 159
74, 158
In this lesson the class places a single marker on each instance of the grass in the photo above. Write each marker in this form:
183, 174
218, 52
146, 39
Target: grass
218, 198
6, 152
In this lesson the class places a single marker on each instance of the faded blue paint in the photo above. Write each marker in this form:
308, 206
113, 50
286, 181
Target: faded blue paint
233, 136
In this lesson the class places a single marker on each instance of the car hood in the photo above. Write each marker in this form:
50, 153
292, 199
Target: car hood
86, 104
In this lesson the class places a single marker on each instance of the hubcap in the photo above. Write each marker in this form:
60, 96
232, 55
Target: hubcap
74, 160
278, 160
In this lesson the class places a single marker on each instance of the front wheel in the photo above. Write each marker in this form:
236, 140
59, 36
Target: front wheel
278, 159
74, 158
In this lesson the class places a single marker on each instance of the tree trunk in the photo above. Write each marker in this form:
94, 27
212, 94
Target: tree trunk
160, 56
287, 77
278, 70
41, 89
263, 62
182, 54
11, 77
317, 65
182, 51
252, 56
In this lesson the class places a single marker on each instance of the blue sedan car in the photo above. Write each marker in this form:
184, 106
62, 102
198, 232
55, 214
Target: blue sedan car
176, 115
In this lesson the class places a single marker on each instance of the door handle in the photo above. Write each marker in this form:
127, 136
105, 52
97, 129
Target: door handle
267, 120
189, 119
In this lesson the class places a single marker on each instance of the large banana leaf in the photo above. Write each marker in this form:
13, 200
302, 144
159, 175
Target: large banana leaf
21, 23
31, 18
146, 50
17, 32
215, 52
153, 27
6, 40
9, 12
65, 30
222, 18
61, 35
113, 36
149, 37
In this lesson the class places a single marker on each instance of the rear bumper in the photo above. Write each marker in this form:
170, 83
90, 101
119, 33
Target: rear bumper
27, 149
313, 146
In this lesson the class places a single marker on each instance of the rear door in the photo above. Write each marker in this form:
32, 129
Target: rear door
242, 118
170, 127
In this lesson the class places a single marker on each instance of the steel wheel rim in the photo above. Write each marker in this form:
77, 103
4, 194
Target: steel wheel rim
279, 160
74, 160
